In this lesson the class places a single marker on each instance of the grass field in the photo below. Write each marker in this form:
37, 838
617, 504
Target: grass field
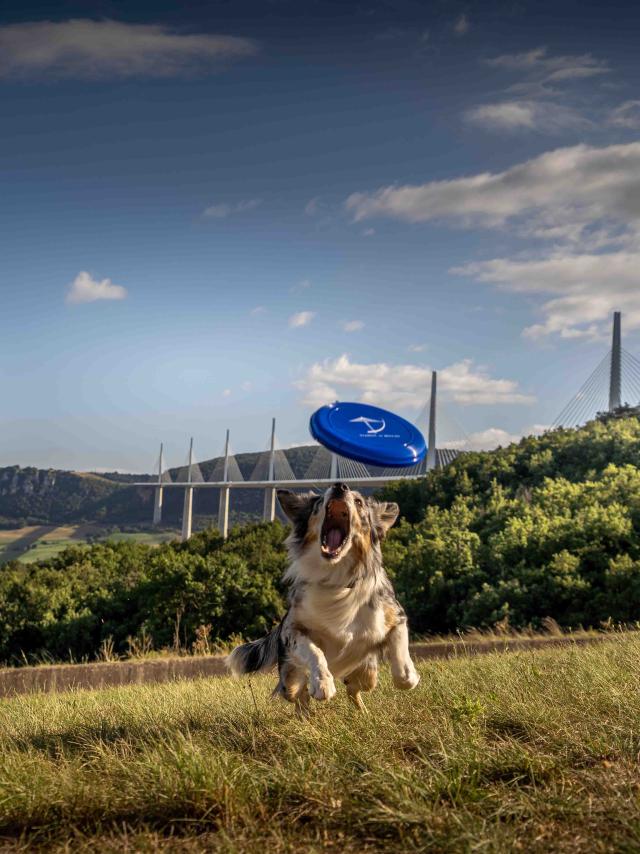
40, 542
534, 751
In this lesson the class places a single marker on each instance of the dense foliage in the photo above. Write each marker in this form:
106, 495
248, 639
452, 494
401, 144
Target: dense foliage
129, 594
547, 527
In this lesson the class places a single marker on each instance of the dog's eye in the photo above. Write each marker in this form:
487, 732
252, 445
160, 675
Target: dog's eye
359, 502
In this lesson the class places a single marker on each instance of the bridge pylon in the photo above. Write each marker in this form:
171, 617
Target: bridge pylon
432, 458
615, 374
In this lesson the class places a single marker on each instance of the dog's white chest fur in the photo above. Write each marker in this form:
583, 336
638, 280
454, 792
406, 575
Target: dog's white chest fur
341, 622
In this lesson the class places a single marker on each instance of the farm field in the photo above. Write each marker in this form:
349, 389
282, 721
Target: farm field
532, 751
41, 542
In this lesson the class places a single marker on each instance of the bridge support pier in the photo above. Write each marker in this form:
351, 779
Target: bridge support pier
223, 512
187, 507
223, 501
157, 498
269, 510
187, 513
157, 505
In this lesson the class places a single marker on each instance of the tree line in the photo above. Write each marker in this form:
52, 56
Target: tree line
548, 527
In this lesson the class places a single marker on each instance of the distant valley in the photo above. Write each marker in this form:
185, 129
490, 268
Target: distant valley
31, 497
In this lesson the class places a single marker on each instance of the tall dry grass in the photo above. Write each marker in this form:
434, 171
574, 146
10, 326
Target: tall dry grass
532, 751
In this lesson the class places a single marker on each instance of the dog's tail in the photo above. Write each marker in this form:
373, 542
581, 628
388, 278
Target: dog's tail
256, 655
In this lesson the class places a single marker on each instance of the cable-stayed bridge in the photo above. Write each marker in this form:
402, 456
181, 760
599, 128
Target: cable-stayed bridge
615, 379
272, 470
613, 383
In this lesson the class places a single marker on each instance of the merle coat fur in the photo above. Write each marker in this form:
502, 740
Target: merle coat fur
343, 614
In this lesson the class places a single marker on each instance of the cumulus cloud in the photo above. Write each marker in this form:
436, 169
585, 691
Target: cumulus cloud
85, 288
528, 115
563, 194
222, 210
585, 289
584, 199
301, 318
404, 385
352, 325
494, 437
83, 47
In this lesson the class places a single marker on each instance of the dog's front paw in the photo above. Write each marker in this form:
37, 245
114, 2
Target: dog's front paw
323, 687
407, 678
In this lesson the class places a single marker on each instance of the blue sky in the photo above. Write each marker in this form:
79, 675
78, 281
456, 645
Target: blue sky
218, 213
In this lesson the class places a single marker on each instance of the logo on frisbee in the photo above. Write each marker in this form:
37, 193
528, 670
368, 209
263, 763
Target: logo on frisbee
370, 422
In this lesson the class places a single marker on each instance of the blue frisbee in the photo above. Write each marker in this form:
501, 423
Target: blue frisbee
368, 434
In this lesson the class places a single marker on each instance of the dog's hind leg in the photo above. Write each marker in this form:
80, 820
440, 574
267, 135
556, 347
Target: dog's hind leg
363, 678
403, 671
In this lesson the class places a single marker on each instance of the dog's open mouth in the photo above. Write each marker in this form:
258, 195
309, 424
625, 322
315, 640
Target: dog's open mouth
335, 528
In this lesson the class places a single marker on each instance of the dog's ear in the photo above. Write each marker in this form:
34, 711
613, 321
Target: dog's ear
383, 515
296, 506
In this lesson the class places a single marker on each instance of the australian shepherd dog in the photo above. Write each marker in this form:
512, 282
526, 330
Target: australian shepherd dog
343, 614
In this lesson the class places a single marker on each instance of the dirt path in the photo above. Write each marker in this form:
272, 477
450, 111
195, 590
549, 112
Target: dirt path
64, 677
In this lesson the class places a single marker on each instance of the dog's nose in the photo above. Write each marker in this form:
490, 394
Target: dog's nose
340, 489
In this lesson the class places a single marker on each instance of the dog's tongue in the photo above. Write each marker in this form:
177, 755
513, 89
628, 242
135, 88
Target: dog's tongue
334, 539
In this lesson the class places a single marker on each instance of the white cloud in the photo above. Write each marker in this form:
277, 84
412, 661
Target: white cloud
258, 310
584, 199
368, 232
493, 437
404, 385
247, 386
626, 115
570, 189
301, 318
84, 288
222, 210
462, 25
352, 325
417, 348
551, 69
586, 289
527, 115
226, 392
540, 96
82, 47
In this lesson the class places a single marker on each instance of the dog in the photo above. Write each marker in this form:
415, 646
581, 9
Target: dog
343, 613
